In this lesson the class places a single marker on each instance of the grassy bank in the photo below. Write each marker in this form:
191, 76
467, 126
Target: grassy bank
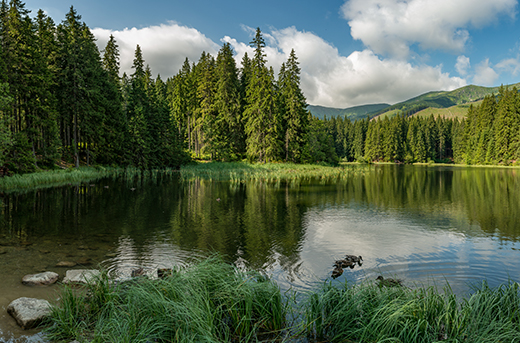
52, 178
212, 301
368, 313
209, 302
270, 172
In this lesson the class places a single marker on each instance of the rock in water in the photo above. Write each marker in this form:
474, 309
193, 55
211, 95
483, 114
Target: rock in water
41, 279
67, 264
81, 276
29, 312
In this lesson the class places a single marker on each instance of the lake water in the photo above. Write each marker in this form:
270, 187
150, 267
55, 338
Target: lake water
425, 225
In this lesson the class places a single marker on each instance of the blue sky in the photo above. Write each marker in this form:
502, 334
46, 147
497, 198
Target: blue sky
351, 52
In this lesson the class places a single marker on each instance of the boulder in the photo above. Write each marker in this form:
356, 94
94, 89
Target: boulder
41, 279
29, 312
81, 276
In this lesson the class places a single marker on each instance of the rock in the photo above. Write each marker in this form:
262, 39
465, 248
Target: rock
67, 264
82, 247
45, 251
81, 276
29, 312
85, 261
111, 254
41, 279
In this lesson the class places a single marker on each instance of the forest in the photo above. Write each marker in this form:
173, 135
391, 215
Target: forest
64, 100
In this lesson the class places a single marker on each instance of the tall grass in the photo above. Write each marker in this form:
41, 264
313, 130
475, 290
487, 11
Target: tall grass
209, 302
52, 178
212, 301
269, 172
367, 313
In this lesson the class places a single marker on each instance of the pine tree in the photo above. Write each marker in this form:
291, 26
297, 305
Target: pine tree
294, 109
263, 123
137, 112
229, 127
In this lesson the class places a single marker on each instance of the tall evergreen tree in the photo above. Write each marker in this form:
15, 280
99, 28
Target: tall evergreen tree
294, 109
263, 125
228, 126
137, 112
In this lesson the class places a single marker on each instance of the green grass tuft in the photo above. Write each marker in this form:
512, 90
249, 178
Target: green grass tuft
367, 313
210, 301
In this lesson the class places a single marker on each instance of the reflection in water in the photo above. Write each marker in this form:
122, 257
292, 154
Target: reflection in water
422, 224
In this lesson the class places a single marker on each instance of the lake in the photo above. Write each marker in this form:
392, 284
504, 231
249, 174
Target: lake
423, 224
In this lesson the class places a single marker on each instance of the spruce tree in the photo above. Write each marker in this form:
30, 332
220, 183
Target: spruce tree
294, 109
229, 126
263, 122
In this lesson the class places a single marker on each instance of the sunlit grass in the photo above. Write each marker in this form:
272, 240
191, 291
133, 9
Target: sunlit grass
52, 178
269, 172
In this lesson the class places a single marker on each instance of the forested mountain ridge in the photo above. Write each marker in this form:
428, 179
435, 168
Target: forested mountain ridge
436, 99
352, 113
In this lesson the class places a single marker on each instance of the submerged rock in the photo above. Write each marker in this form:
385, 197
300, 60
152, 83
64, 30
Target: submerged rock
67, 264
29, 312
41, 279
85, 261
81, 276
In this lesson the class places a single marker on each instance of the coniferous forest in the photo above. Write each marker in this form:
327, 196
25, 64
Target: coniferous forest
61, 99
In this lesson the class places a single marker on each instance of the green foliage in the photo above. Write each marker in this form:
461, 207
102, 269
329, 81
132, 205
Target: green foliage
367, 313
210, 301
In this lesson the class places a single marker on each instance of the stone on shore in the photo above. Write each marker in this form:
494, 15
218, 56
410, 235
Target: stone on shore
81, 276
29, 312
41, 279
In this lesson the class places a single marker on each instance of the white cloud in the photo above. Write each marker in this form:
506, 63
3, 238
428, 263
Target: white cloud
392, 26
484, 74
511, 66
462, 65
165, 47
327, 78
330, 79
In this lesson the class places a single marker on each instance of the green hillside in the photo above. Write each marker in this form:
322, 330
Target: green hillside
443, 99
353, 113
446, 103
457, 111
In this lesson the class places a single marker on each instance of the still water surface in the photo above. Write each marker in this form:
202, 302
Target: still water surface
425, 225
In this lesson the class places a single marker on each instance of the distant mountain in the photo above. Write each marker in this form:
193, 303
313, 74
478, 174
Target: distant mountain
353, 113
442, 99
431, 100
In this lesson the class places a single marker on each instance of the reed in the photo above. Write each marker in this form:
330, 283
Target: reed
53, 178
213, 301
210, 301
269, 172
367, 313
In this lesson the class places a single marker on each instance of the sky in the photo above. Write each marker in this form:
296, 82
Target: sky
351, 52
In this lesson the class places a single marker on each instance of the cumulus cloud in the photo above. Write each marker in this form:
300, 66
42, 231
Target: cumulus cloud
392, 26
511, 66
327, 78
462, 65
484, 74
165, 47
330, 79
